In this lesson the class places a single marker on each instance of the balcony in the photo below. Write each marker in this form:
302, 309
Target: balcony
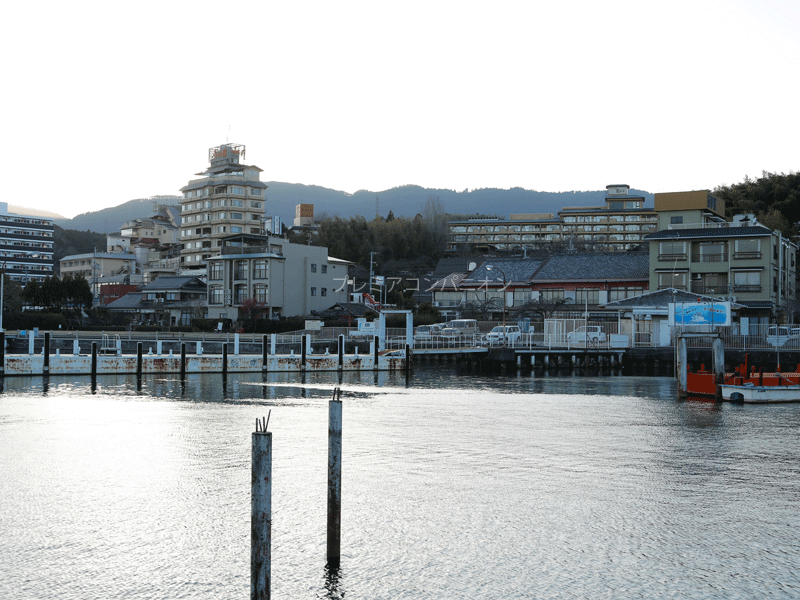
747, 255
709, 258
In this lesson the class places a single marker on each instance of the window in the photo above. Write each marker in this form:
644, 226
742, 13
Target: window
240, 271
552, 295
324, 268
260, 269
255, 192
747, 248
236, 215
710, 252
236, 230
313, 268
238, 203
587, 295
240, 293
313, 291
221, 189
215, 297
260, 293
235, 189
675, 220
215, 270
254, 217
324, 291
747, 281
672, 251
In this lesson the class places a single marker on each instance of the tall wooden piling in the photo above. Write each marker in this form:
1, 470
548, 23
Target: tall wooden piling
183, 360
225, 359
340, 352
264, 353
718, 357
2, 351
377, 352
139, 359
94, 359
334, 478
683, 378
302, 351
261, 513
46, 352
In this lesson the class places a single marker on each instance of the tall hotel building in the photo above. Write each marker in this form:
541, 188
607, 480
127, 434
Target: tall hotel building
227, 199
26, 246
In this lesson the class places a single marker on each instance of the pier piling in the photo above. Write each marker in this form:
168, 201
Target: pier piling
261, 513
334, 478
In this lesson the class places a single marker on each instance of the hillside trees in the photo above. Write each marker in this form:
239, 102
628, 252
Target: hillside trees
774, 199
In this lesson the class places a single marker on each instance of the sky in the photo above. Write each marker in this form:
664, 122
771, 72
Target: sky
107, 101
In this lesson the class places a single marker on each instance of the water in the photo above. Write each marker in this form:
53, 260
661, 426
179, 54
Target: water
453, 487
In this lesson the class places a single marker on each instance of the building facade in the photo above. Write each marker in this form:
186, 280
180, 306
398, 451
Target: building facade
26, 246
620, 225
697, 250
228, 199
278, 277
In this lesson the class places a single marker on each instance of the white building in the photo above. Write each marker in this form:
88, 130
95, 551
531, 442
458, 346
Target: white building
26, 246
283, 278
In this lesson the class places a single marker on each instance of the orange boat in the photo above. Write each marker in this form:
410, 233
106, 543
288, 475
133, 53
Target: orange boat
701, 383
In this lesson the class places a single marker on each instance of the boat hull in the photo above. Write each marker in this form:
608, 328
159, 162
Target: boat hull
761, 394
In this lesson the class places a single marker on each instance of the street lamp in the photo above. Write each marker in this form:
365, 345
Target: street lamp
503, 297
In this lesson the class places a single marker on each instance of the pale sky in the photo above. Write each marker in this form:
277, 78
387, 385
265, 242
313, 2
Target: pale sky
105, 102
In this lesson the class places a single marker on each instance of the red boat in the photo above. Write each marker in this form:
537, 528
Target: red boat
701, 383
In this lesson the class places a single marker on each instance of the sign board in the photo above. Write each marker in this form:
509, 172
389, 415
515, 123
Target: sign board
379, 280
314, 325
695, 314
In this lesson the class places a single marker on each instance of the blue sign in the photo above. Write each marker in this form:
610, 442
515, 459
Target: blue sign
701, 313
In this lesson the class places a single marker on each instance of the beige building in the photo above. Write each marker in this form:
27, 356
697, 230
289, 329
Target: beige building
228, 198
620, 225
697, 250
99, 268
282, 278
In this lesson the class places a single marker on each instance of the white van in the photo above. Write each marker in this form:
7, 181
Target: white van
464, 327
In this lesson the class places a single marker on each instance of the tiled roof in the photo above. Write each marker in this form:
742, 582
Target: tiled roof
661, 299
447, 283
503, 269
594, 266
128, 301
173, 283
718, 232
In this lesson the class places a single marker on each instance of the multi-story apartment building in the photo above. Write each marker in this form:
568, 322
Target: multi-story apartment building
619, 225
283, 278
697, 250
26, 246
227, 199
101, 268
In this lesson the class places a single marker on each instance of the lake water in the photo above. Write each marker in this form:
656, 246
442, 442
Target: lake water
453, 487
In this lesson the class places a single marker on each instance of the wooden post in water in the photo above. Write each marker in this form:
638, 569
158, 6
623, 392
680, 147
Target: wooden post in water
261, 513
264, 353
718, 357
683, 377
2, 350
340, 351
138, 359
46, 352
334, 478
302, 352
377, 352
183, 360
94, 359
224, 359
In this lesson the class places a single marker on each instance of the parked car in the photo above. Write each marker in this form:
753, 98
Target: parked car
508, 334
427, 332
780, 335
591, 335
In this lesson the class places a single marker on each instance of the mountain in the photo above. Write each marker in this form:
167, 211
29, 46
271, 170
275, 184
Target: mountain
406, 201
109, 220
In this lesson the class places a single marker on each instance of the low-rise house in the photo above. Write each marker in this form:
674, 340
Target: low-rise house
167, 301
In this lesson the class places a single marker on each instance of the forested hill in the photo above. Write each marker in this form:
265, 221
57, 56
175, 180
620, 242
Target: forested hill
774, 198
404, 201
